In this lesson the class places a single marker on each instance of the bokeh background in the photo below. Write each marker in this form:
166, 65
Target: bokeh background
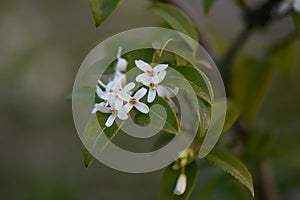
42, 44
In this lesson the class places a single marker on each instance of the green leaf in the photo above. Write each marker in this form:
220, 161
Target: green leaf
175, 18
169, 180
232, 114
193, 77
250, 81
101, 9
94, 138
156, 115
141, 54
87, 157
207, 4
296, 18
284, 57
232, 165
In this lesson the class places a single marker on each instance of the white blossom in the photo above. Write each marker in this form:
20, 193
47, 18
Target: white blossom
135, 102
117, 93
153, 74
180, 185
121, 62
151, 78
167, 93
121, 114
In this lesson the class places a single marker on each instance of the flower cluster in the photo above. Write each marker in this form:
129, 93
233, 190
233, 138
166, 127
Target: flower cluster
117, 94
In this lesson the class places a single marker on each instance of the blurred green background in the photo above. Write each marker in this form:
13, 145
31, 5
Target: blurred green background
42, 44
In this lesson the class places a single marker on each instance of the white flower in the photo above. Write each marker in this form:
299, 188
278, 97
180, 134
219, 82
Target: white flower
121, 114
121, 62
286, 5
167, 93
117, 93
135, 102
149, 72
180, 185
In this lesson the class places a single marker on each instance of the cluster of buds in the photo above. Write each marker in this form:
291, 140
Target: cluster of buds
116, 95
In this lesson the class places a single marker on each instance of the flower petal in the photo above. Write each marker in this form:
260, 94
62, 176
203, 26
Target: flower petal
129, 87
106, 96
161, 76
122, 115
140, 93
121, 64
141, 77
151, 95
118, 103
100, 107
99, 92
127, 108
101, 84
110, 120
143, 108
119, 52
143, 65
160, 67
124, 96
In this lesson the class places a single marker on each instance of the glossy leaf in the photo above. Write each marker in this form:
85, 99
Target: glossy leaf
296, 18
232, 165
232, 114
285, 57
169, 180
207, 4
250, 82
175, 18
101, 9
193, 77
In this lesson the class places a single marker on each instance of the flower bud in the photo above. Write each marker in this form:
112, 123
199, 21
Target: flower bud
180, 185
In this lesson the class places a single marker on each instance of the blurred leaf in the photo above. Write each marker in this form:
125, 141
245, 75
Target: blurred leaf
296, 18
250, 82
169, 180
285, 57
87, 157
232, 114
175, 18
232, 165
101, 9
207, 4
258, 139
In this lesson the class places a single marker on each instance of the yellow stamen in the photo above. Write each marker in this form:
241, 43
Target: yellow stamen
153, 86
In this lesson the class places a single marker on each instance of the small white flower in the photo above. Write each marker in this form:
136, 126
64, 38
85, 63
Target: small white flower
149, 72
167, 93
121, 62
121, 114
117, 93
180, 185
135, 102
153, 85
